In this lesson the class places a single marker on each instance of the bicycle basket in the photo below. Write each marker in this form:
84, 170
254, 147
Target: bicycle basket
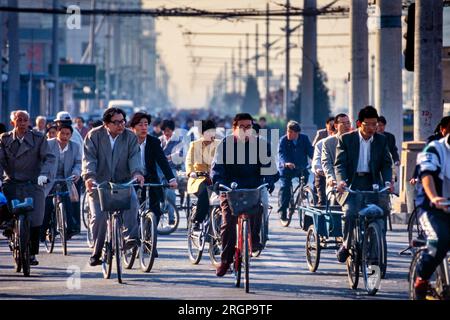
246, 201
114, 197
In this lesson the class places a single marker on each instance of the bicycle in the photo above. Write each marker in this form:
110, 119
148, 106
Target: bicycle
243, 204
147, 232
58, 217
302, 195
367, 248
164, 227
114, 198
87, 217
19, 240
185, 197
439, 288
209, 233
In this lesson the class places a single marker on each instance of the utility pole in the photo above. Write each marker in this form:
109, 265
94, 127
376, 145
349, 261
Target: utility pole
225, 77
233, 73
240, 67
2, 112
372, 80
108, 58
428, 107
256, 52
388, 66
287, 89
117, 54
13, 62
309, 62
267, 58
247, 56
359, 81
55, 60
92, 50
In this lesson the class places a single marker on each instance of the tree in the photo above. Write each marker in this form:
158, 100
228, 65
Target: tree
321, 100
251, 101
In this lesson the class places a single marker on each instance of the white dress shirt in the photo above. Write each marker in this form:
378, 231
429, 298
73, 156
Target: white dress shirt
316, 161
112, 140
364, 154
142, 147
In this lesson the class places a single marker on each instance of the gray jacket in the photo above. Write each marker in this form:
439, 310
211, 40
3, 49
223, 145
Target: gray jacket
102, 164
33, 158
328, 156
72, 163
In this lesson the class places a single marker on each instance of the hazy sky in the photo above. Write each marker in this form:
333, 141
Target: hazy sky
190, 83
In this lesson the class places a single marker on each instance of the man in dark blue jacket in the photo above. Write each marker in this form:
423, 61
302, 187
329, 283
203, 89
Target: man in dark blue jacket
293, 153
245, 159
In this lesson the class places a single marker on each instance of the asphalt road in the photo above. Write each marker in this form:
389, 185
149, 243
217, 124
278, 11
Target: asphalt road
279, 273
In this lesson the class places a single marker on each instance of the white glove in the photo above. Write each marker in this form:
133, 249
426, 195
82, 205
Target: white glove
42, 180
193, 175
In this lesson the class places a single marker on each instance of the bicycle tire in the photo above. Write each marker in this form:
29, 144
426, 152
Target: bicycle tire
353, 262
195, 246
308, 199
148, 242
237, 263
215, 241
118, 247
246, 258
412, 275
414, 227
24, 243
129, 256
107, 252
85, 215
62, 226
163, 227
16, 248
312, 246
372, 251
50, 236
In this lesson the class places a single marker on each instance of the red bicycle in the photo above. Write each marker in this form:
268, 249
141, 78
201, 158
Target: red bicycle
244, 203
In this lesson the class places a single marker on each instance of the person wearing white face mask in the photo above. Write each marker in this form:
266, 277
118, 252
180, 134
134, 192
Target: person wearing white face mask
198, 165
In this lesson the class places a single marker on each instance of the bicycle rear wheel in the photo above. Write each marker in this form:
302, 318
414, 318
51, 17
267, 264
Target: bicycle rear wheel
62, 226
164, 227
147, 248
50, 236
196, 243
107, 252
24, 243
85, 210
246, 255
413, 274
215, 241
372, 258
118, 247
16, 248
354, 261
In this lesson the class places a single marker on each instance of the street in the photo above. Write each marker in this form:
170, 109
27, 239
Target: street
280, 272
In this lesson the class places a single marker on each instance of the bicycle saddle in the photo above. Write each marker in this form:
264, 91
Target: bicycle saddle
25, 206
371, 211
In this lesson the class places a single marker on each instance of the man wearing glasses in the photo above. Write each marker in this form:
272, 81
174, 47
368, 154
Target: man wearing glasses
362, 159
111, 153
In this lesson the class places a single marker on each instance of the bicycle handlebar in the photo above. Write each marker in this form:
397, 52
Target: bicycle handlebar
152, 185
71, 178
230, 189
127, 184
368, 191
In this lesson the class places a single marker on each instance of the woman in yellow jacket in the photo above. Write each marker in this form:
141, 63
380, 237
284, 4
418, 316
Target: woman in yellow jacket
198, 165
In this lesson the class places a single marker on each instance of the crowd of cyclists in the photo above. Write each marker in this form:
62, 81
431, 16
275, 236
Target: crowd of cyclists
215, 151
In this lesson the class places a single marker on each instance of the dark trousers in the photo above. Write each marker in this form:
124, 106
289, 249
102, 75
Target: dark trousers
155, 202
202, 208
436, 225
320, 184
228, 230
76, 209
285, 190
49, 208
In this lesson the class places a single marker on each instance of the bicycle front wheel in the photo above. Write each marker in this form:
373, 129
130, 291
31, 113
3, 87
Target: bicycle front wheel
372, 258
107, 252
196, 243
354, 261
166, 226
118, 248
24, 243
246, 254
62, 226
147, 249
215, 241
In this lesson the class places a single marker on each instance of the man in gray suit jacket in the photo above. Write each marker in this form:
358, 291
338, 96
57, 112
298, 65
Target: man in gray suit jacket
342, 125
111, 154
326, 132
68, 164
362, 159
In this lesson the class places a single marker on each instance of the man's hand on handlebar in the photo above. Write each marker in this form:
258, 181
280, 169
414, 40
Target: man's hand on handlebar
341, 186
89, 184
173, 183
289, 165
139, 179
437, 202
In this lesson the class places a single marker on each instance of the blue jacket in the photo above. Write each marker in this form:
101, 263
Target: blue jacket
295, 153
245, 168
